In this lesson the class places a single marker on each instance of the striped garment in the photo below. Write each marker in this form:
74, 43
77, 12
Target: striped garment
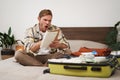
33, 34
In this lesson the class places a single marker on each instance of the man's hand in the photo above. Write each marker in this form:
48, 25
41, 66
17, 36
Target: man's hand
36, 46
55, 44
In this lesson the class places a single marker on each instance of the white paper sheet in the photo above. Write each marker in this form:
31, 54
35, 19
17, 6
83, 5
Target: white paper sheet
48, 38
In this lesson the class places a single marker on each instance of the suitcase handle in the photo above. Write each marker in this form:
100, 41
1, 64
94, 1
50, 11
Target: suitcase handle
96, 69
75, 67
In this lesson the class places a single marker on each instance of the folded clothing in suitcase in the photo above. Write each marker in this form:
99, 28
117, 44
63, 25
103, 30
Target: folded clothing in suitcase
102, 69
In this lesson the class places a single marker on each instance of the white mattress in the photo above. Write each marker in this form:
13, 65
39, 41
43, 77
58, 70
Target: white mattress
11, 70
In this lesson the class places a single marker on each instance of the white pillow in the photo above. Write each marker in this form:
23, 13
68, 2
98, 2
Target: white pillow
76, 44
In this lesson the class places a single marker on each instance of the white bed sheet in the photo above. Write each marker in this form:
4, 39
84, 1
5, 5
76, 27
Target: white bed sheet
10, 70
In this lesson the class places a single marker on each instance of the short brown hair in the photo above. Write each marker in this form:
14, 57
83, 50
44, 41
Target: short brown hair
45, 12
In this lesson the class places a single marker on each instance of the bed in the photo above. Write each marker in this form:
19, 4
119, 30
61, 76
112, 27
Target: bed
11, 70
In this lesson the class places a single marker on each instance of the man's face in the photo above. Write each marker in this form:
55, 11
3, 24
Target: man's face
45, 22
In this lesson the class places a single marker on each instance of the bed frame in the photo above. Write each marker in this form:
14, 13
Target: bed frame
97, 34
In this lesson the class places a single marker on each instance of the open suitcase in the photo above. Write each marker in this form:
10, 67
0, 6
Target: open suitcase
103, 69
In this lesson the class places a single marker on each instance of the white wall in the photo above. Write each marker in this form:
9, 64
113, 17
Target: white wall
21, 14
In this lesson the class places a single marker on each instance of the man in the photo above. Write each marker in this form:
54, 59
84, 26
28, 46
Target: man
34, 36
